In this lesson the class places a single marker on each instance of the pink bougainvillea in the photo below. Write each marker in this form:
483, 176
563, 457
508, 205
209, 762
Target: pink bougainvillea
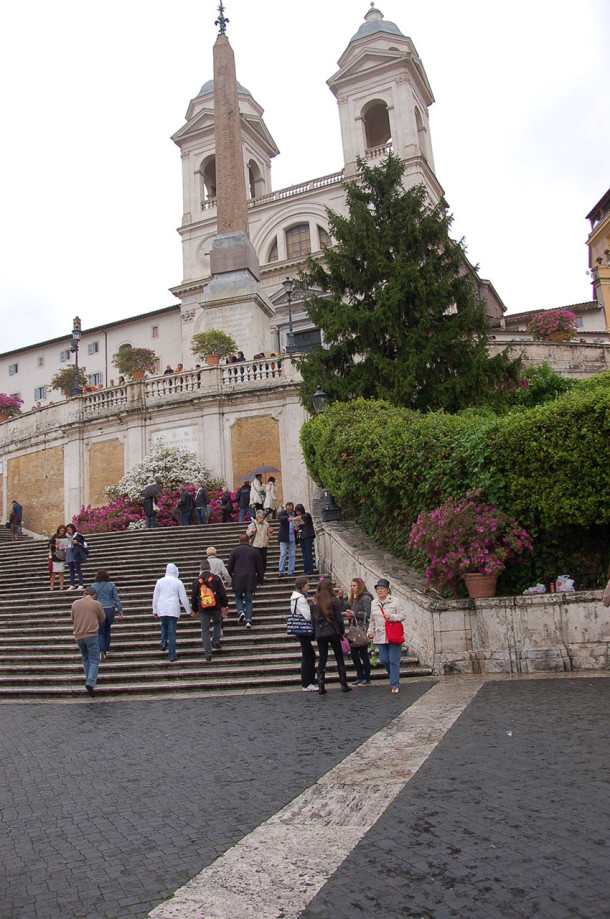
121, 512
543, 326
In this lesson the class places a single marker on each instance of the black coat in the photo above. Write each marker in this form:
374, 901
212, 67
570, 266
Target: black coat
284, 521
243, 496
201, 498
186, 502
306, 530
245, 566
324, 629
216, 585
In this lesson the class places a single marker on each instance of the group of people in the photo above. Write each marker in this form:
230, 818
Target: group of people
67, 547
320, 619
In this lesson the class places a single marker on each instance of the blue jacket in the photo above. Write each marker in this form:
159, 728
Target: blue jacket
106, 594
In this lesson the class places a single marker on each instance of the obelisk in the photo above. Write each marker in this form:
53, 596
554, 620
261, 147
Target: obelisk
233, 298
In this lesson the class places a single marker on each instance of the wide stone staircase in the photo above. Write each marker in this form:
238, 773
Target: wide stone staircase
39, 658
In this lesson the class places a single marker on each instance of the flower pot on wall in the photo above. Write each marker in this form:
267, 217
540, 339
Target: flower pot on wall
212, 359
559, 336
481, 586
137, 375
3, 416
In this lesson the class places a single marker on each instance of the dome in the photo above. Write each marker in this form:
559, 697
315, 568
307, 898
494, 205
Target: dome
374, 22
209, 88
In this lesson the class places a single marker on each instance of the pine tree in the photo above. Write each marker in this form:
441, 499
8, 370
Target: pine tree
398, 312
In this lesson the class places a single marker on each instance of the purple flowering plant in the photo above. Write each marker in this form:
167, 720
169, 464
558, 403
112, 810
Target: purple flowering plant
543, 325
467, 535
123, 511
11, 405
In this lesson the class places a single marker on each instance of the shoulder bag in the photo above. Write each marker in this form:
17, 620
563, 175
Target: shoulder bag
394, 631
356, 636
296, 623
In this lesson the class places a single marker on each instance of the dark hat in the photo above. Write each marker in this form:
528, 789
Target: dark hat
383, 582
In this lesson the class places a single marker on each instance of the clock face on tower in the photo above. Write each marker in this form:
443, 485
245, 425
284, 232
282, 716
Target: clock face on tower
203, 254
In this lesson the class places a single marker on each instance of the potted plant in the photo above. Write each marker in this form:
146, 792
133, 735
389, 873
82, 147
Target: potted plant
555, 325
64, 379
468, 538
135, 362
9, 406
212, 345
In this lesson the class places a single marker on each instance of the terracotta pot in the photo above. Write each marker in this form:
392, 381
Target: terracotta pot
212, 359
480, 586
3, 416
559, 336
137, 375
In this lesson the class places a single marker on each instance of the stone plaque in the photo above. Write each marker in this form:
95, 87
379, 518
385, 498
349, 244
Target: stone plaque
186, 438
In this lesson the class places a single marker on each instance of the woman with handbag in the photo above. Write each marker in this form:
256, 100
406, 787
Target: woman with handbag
76, 555
386, 630
359, 614
299, 626
259, 532
57, 552
328, 627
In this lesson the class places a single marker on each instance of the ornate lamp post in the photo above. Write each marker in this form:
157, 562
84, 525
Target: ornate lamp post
331, 510
288, 286
76, 389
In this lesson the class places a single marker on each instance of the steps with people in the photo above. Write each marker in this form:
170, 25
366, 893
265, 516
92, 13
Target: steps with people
38, 655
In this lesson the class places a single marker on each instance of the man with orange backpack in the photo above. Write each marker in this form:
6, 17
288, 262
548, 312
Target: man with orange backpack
209, 599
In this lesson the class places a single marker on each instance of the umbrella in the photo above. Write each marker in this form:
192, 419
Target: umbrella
246, 478
263, 470
151, 491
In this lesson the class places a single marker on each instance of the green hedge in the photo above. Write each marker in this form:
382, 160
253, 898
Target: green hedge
549, 466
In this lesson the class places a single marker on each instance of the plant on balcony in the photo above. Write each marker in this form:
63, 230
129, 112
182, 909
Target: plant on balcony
64, 379
135, 361
212, 345
556, 325
10, 405
467, 536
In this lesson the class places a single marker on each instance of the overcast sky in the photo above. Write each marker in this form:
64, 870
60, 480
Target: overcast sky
90, 184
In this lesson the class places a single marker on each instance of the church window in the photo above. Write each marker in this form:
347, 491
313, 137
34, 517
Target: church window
298, 242
377, 125
255, 180
208, 179
324, 237
421, 133
273, 256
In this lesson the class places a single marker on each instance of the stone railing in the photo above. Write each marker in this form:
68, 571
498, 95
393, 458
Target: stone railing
292, 191
375, 153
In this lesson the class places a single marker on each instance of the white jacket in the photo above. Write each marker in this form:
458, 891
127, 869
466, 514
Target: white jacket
217, 566
257, 492
302, 606
377, 621
169, 594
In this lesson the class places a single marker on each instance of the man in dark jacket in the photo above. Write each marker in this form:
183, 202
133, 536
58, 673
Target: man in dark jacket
287, 539
246, 569
201, 503
209, 598
186, 506
243, 502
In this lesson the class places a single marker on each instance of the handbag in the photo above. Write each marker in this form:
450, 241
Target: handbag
356, 636
60, 555
296, 623
345, 645
394, 631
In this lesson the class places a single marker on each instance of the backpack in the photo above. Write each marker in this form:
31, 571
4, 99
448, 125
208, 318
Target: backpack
207, 596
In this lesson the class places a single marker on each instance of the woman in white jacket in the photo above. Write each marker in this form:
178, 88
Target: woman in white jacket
384, 608
299, 605
168, 595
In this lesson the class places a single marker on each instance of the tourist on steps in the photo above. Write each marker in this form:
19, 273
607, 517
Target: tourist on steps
75, 555
358, 613
259, 531
86, 614
57, 549
299, 607
246, 569
384, 608
328, 627
303, 523
209, 602
106, 594
168, 595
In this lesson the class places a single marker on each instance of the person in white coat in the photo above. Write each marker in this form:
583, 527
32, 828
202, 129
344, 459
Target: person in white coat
300, 605
169, 594
384, 608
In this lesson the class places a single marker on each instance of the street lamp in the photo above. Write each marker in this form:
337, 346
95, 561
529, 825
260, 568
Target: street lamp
288, 286
331, 510
76, 389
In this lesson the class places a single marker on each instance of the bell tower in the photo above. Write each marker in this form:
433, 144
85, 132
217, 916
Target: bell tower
384, 95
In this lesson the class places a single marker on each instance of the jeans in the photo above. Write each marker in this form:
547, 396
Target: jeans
389, 656
103, 632
187, 518
90, 653
151, 520
206, 619
362, 662
245, 512
287, 549
168, 634
335, 642
243, 602
308, 660
202, 514
307, 551
75, 569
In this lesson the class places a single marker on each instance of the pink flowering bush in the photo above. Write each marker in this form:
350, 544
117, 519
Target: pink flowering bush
11, 405
544, 325
467, 535
123, 511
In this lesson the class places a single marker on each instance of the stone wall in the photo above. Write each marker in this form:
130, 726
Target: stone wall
568, 358
255, 441
36, 480
549, 632
106, 467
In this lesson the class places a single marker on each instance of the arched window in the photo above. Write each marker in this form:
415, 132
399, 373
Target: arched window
208, 178
272, 257
377, 125
125, 347
298, 241
421, 134
255, 180
324, 237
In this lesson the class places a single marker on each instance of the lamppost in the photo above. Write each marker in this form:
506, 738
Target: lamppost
77, 389
331, 510
288, 286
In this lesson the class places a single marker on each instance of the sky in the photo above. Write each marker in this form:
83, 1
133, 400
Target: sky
90, 182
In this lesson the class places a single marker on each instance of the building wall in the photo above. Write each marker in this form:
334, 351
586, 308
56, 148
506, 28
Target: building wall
569, 358
254, 442
106, 466
36, 480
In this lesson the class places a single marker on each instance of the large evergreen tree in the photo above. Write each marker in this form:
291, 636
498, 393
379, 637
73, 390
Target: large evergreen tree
399, 314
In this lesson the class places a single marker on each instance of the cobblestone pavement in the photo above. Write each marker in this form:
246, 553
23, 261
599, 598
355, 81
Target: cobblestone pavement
509, 817
108, 808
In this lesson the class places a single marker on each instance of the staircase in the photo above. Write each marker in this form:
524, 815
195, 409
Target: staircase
39, 658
